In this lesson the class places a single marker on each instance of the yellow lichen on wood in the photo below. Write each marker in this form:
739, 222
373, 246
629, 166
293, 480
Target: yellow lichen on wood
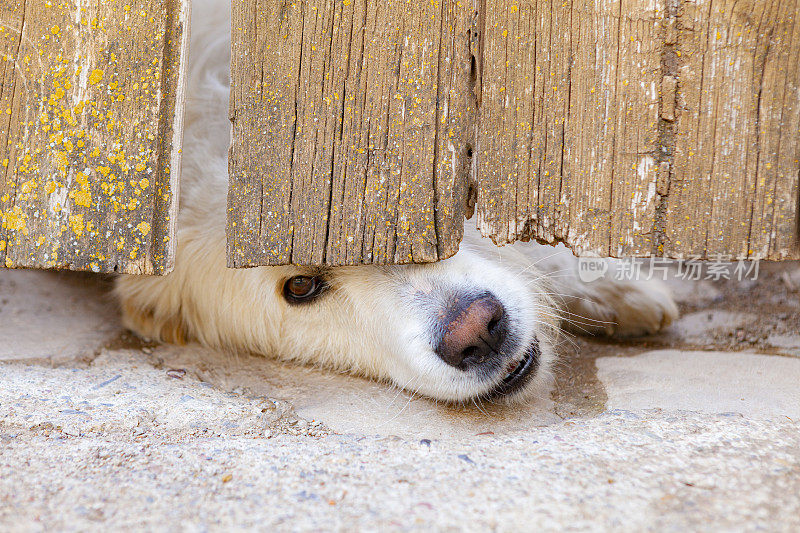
351, 127
94, 102
364, 131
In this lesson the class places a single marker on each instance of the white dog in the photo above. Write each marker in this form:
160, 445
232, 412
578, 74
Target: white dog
482, 324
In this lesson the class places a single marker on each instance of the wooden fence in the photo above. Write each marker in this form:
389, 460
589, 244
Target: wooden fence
365, 131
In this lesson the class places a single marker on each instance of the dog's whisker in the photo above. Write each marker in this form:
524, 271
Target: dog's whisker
477, 402
405, 406
545, 258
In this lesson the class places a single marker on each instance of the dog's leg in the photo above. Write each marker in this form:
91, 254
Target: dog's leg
605, 306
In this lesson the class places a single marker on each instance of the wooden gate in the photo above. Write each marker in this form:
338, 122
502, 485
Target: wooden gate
365, 131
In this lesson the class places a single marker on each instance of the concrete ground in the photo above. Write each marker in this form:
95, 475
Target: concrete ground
696, 428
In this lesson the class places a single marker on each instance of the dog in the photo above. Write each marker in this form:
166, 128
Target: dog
483, 324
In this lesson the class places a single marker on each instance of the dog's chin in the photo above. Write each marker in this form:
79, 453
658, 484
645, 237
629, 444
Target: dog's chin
517, 380
516, 375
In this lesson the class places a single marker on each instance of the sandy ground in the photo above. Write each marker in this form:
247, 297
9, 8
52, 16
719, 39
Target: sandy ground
695, 428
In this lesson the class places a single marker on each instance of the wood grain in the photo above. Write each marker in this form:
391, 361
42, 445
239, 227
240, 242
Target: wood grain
90, 131
364, 131
631, 128
734, 184
352, 130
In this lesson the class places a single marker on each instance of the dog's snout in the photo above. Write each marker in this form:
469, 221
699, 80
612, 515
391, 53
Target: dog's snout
474, 330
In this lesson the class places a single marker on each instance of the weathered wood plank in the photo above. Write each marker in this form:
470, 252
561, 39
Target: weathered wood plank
91, 102
352, 122
679, 136
734, 185
582, 123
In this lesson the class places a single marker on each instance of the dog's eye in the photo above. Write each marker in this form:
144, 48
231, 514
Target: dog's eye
303, 289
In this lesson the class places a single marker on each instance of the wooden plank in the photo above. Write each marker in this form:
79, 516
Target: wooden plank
352, 127
90, 131
573, 90
734, 186
679, 136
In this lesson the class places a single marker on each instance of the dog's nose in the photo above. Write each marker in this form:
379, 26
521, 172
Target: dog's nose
474, 329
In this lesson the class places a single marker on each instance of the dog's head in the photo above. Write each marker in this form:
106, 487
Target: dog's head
465, 328
476, 326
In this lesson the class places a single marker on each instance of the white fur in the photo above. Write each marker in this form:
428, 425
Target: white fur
375, 321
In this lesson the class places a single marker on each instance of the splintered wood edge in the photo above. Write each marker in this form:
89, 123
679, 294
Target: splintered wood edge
176, 140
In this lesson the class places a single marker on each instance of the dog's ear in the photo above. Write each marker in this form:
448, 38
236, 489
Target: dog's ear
144, 322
